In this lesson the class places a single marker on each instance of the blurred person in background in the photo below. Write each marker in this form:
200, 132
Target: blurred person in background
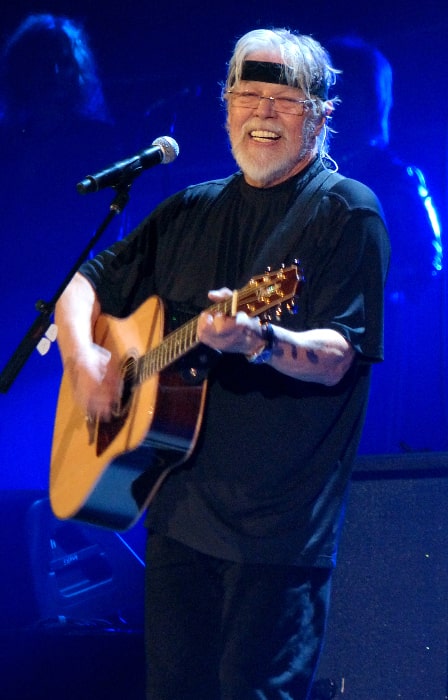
55, 127
406, 407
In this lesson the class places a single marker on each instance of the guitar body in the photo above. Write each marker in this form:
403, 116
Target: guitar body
106, 473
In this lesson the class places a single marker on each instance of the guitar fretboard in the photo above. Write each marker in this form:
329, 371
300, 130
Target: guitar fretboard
174, 345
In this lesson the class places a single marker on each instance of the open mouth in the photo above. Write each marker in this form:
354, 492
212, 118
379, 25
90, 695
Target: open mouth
263, 136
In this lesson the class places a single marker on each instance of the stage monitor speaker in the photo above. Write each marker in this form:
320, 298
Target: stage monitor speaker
388, 626
62, 572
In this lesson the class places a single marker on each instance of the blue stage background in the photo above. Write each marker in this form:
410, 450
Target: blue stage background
161, 67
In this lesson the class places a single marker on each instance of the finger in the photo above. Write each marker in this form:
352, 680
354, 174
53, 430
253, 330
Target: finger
220, 294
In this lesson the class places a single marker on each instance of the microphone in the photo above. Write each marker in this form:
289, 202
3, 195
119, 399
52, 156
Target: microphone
163, 150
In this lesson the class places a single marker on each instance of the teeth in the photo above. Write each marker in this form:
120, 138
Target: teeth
264, 134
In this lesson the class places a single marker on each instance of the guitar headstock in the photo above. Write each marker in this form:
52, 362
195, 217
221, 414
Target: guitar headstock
270, 289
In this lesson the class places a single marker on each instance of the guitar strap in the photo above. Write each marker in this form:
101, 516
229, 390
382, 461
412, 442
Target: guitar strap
285, 237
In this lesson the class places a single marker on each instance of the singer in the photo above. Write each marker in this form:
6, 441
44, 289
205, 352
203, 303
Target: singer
242, 535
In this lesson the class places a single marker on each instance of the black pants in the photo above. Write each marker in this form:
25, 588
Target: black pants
217, 630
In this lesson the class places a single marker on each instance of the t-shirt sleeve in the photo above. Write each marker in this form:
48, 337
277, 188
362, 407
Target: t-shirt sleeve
122, 275
347, 291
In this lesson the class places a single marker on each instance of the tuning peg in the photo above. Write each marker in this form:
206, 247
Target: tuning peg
291, 307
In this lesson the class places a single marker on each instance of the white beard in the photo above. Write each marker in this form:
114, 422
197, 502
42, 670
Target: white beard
261, 172
265, 170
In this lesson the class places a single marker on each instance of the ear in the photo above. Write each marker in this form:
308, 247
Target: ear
327, 109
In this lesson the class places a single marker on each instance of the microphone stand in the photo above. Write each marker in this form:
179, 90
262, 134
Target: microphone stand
43, 321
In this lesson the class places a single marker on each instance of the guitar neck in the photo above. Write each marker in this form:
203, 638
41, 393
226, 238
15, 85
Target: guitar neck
175, 345
260, 294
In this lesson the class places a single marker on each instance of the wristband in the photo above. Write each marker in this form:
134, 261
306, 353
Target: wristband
265, 353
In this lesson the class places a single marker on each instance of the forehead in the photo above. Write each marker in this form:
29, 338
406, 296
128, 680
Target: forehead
271, 89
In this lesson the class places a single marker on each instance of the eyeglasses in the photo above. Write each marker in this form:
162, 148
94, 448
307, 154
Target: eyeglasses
283, 105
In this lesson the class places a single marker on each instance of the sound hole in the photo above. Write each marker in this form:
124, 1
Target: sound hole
108, 430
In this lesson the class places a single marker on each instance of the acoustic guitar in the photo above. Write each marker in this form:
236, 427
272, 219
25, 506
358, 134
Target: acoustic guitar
107, 472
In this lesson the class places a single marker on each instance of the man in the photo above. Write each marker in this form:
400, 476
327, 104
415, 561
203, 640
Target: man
242, 538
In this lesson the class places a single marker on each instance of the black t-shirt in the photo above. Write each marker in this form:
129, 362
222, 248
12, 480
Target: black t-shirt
267, 479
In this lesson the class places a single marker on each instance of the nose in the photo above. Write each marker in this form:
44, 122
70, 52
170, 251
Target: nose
266, 105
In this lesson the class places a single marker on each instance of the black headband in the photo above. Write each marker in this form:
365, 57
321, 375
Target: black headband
269, 72
264, 71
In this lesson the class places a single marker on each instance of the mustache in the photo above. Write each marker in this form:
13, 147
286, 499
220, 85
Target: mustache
255, 124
